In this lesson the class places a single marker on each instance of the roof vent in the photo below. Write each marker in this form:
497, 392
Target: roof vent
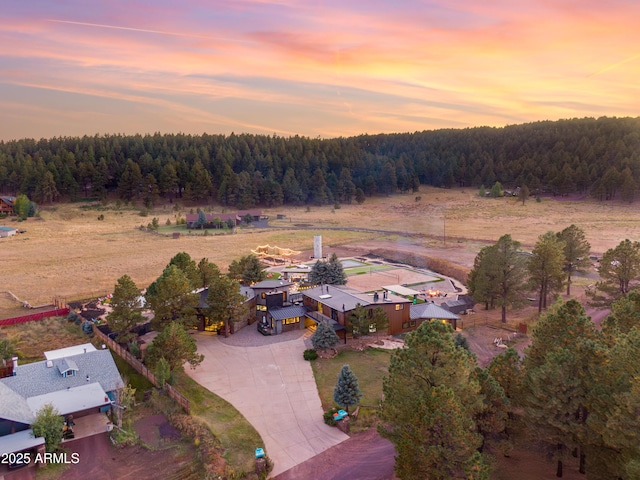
49, 363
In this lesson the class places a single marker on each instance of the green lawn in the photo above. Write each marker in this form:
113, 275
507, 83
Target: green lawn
234, 432
367, 269
370, 366
131, 377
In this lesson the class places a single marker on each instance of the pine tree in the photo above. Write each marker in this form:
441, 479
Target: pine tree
207, 272
618, 268
187, 265
430, 400
202, 219
225, 301
328, 272
325, 337
576, 252
498, 275
171, 298
560, 376
358, 323
545, 267
176, 346
380, 320
347, 392
126, 310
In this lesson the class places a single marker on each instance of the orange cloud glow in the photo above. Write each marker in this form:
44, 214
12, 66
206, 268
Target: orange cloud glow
325, 69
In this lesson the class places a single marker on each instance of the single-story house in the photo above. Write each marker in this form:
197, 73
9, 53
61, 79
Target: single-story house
7, 232
78, 384
256, 215
6, 204
431, 312
214, 220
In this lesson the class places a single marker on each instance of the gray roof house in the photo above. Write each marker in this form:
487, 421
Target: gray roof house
79, 384
430, 311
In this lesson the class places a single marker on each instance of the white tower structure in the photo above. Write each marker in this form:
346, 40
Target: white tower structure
317, 246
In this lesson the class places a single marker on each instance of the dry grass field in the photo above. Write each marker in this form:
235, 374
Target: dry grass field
69, 254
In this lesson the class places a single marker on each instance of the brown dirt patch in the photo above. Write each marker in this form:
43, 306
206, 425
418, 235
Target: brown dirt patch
365, 456
155, 429
100, 460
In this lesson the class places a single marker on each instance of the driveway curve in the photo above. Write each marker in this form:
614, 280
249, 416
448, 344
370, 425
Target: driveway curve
270, 383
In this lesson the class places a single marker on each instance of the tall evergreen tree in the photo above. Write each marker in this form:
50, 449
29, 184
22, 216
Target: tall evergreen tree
130, 181
176, 346
126, 309
171, 298
546, 267
619, 267
207, 272
328, 272
347, 392
225, 301
576, 252
187, 265
430, 400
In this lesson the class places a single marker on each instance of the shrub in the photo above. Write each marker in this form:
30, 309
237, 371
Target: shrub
87, 328
310, 354
73, 317
134, 348
101, 217
209, 449
328, 417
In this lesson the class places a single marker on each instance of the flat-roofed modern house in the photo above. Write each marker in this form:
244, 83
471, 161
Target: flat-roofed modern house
79, 381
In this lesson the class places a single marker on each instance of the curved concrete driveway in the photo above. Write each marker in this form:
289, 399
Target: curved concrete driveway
274, 388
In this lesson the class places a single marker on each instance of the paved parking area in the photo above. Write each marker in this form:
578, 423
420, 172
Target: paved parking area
270, 383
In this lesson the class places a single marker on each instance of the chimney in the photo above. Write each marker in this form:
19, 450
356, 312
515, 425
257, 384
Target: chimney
15, 365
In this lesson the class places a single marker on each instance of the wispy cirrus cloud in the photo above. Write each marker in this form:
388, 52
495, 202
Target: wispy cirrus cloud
314, 68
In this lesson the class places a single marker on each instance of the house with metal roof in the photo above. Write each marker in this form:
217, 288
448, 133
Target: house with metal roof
431, 312
6, 204
337, 302
81, 385
6, 232
205, 324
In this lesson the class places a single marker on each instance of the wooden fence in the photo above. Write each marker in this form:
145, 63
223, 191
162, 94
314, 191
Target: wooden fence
142, 369
56, 312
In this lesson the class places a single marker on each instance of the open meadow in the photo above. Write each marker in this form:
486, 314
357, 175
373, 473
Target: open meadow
68, 253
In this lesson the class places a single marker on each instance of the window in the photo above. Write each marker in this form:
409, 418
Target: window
261, 308
399, 306
405, 324
412, 323
290, 321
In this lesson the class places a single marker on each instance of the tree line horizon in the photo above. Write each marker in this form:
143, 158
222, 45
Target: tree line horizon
599, 157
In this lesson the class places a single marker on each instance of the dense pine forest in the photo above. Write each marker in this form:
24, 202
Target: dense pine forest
599, 157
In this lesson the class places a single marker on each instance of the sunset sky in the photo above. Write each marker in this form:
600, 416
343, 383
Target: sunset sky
315, 68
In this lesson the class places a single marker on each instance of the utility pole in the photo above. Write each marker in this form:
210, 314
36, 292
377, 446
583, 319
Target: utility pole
444, 227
